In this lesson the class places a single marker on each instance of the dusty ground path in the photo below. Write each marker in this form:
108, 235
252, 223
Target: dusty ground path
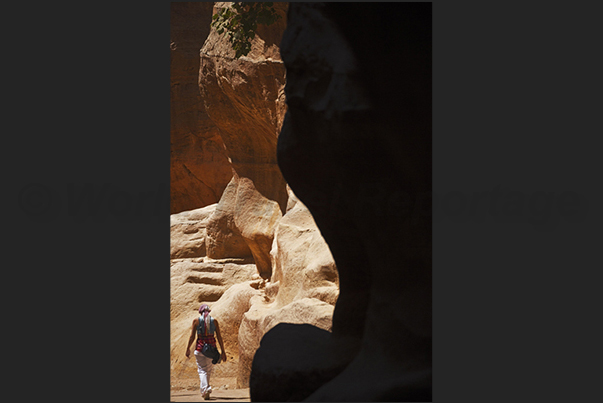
226, 395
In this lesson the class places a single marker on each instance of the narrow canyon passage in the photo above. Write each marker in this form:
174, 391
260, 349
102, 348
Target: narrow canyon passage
319, 275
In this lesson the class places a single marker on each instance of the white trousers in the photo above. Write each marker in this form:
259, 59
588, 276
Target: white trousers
204, 368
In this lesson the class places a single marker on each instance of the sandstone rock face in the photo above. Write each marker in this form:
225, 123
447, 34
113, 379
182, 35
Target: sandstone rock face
198, 280
302, 286
229, 310
355, 141
302, 289
224, 239
302, 262
243, 224
187, 232
225, 183
194, 281
244, 98
199, 166
264, 315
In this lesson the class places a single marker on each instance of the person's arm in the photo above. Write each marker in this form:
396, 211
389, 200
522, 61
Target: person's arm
192, 338
219, 335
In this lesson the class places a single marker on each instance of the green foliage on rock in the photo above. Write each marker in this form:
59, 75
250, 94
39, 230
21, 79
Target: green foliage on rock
240, 21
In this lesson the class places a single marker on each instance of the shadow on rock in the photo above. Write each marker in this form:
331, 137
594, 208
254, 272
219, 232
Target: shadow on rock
295, 360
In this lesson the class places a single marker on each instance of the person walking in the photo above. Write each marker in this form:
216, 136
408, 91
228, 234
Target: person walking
205, 327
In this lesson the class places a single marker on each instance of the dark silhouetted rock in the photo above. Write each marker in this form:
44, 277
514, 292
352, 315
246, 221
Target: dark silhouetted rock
356, 149
297, 358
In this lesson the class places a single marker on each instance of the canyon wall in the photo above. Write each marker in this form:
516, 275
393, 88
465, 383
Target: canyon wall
226, 113
245, 99
253, 253
301, 287
199, 166
302, 319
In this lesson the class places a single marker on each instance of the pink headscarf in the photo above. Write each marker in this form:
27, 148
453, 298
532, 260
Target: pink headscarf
204, 310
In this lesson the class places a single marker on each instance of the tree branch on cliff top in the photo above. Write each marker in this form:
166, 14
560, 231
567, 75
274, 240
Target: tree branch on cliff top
240, 21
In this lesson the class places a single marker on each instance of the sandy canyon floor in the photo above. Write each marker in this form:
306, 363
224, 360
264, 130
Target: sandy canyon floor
223, 395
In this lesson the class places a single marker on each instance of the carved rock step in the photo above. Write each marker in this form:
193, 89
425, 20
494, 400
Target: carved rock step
206, 278
209, 293
191, 265
196, 280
